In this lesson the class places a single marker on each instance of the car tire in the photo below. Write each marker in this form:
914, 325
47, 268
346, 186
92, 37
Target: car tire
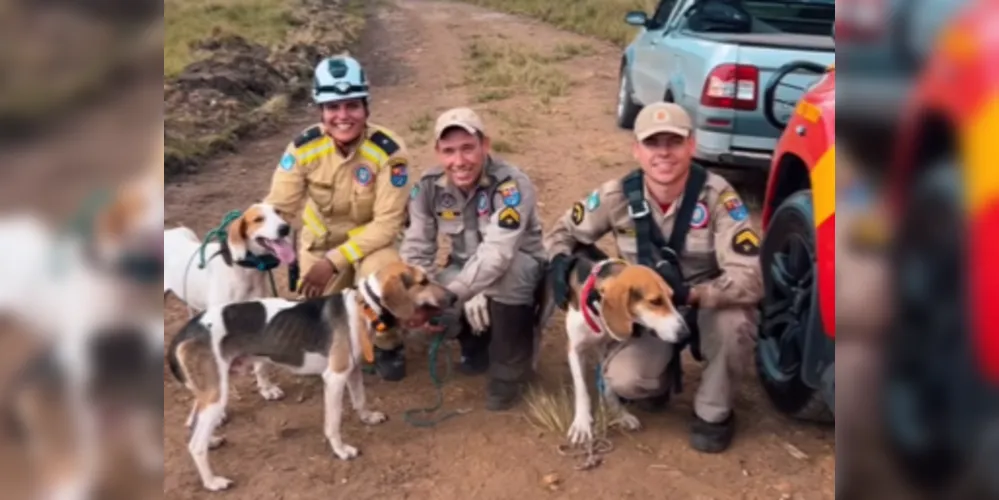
778, 350
627, 109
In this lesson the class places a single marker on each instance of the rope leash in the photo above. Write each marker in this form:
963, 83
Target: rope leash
408, 415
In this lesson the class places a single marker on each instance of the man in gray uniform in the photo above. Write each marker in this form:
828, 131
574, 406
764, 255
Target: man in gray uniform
488, 210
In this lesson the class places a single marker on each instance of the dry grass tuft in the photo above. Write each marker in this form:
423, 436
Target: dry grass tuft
500, 71
552, 410
603, 19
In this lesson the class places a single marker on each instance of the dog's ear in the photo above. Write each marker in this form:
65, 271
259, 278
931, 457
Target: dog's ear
237, 238
395, 296
616, 308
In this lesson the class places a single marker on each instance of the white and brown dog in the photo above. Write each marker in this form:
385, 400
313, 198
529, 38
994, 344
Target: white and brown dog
606, 301
89, 294
235, 269
325, 336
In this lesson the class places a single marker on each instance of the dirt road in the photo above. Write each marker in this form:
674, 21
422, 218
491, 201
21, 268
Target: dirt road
565, 138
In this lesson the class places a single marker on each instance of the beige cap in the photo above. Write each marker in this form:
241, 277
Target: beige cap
662, 117
459, 117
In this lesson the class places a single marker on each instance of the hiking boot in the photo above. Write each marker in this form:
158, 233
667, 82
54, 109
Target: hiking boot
707, 437
501, 395
654, 404
391, 364
474, 353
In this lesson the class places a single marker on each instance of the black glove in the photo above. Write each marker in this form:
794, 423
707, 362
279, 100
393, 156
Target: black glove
558, 273
674, 278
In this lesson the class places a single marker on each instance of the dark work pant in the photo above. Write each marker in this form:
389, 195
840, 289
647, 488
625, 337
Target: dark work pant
512, 341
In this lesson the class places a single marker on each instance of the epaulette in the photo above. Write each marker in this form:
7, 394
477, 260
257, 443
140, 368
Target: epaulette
308, 136
384, 142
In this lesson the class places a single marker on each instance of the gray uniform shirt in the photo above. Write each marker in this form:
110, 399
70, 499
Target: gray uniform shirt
494, 231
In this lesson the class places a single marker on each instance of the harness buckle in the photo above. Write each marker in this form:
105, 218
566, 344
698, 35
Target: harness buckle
642, 213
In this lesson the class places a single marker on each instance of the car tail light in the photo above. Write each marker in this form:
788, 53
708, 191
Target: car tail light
733, 86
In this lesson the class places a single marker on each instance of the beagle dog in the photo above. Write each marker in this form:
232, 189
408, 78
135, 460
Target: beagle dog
235, 269
324, 336
606, 301
87, 292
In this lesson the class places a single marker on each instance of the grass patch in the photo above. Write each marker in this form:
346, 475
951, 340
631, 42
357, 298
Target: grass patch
552, 411
603, 19
266, 22
503, 71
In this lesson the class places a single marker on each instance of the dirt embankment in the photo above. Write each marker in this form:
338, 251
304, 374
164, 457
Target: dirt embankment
237, 88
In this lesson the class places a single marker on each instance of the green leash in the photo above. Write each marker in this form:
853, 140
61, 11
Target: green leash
409, 417
220, 233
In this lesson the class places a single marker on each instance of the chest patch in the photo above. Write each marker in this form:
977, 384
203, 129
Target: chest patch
699, 219
446, 200
511, 195
363, 176
482, 207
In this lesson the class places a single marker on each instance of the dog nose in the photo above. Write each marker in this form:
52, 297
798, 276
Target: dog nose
284, 230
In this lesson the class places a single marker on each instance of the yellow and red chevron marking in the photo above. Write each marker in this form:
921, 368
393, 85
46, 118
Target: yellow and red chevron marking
823, 177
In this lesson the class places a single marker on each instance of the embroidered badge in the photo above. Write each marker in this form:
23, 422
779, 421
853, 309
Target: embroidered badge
593, 201
746, 242
483, 204
735, 207
288, 161
447, 200
363, 175
509, 218
413, 193
400, 174
510, 193
448, 214
577, 213
699, 219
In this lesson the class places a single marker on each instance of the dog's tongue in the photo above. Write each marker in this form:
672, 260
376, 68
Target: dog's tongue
285, 253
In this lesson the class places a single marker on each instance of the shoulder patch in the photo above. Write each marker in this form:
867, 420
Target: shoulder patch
736, 209
400, 172
746, 242
509, 218
308, 136
413, 193
287, 162
384, 142
593, 201
511, 195
578, 214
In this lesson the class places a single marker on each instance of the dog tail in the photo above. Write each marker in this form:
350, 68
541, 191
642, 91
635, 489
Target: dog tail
194, 330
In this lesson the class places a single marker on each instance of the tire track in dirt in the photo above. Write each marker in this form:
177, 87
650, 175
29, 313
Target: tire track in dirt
414, 51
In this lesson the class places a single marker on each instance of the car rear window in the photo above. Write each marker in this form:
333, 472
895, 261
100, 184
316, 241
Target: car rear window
802, 17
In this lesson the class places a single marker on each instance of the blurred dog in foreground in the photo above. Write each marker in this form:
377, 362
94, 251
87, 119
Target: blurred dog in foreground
88, 293
323, 336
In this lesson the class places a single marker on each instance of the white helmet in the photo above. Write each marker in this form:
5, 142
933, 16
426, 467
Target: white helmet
339, 78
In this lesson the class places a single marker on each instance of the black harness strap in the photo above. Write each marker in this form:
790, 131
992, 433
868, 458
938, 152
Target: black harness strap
654, 248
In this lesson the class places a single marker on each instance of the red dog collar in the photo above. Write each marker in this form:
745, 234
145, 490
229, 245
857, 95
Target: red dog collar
584, 302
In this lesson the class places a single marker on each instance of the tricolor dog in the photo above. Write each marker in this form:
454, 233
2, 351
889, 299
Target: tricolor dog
606, 301
90, 294
323, 336
235, 268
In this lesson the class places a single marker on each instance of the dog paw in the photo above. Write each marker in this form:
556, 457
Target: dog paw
581, 430
271, 393
224, 418
218, 483
215, 442
372, 417
627, 421
345, 452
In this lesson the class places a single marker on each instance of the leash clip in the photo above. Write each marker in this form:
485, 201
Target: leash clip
640, 214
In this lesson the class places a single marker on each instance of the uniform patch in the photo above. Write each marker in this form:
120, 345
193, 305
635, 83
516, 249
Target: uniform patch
735, 208
511, 195
746, 242
699, 219
483, 203
577, 213
363, 175
413, 193
509, 218
447, 200
449, 214
593, 201
400, 174
287, 161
